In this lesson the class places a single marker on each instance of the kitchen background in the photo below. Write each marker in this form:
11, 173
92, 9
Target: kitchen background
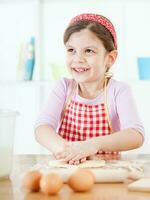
32, 31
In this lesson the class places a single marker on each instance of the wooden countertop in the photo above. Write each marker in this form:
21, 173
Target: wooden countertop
103, 191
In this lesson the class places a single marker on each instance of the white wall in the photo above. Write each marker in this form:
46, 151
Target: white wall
18, 22
27, 98
137, 38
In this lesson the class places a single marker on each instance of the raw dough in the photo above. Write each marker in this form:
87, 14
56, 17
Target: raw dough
86, 164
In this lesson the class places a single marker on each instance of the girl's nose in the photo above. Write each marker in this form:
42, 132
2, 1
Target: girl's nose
78, 57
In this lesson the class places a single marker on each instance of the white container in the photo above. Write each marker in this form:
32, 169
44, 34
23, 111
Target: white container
7, 130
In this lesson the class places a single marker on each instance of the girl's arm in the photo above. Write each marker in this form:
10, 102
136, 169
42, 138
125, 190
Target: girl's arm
127, 112
124, 140
119, 141
131, 133
48, 120
48, 138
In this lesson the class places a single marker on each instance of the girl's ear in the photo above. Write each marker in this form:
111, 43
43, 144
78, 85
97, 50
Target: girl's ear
111, 58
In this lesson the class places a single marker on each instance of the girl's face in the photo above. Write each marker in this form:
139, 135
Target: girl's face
86, 59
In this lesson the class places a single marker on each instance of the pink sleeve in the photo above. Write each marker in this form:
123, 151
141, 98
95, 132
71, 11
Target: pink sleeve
127, 109
51, 112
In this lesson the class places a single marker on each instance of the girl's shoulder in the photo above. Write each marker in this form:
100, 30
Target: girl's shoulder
66, 84
63, 84
116, 87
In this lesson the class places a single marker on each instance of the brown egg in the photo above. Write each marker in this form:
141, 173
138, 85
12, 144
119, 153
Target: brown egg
31, 181
82, 180
51, 183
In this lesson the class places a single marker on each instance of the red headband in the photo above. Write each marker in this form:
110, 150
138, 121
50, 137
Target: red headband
99, 19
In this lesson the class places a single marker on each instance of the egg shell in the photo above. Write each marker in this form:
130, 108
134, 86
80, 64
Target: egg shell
31, 181
81, 180
51, 183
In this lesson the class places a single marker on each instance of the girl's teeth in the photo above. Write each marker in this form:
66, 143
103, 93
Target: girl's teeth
80, 70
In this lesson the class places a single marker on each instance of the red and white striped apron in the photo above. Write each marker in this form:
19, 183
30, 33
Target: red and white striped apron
82, 121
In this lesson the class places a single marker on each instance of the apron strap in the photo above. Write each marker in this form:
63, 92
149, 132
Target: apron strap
107, 78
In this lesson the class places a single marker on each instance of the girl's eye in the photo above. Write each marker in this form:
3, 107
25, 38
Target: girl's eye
89, 51
70, 50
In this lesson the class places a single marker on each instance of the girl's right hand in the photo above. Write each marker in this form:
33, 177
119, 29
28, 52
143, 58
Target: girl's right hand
75, 151
61, 147
72, 162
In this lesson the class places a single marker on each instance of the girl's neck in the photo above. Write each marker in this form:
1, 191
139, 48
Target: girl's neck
90, 90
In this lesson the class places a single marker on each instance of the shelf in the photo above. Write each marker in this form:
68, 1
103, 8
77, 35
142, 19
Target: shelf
13, 83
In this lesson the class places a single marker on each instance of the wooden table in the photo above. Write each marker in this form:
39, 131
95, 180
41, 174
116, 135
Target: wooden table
108, 191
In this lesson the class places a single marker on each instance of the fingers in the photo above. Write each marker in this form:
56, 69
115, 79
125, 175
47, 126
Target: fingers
66, 156
69, 157
76, 160
71, 153
83, 160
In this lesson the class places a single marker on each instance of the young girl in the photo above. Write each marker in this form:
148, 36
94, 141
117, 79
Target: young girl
91, 113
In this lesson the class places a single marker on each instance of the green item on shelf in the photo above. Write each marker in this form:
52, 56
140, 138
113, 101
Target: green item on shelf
58, 71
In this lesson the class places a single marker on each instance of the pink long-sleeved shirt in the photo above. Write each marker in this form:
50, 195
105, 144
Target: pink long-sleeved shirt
121, 105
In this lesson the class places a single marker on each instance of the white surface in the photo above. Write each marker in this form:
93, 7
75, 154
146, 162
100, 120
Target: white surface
142, 185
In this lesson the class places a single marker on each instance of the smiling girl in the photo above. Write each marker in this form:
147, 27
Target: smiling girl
90, 113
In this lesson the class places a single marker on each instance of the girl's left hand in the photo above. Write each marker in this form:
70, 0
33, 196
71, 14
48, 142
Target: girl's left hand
77, 152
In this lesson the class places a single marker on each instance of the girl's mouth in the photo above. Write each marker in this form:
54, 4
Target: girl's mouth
80, 70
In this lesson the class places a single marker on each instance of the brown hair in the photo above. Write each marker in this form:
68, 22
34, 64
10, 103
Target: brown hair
99, 30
